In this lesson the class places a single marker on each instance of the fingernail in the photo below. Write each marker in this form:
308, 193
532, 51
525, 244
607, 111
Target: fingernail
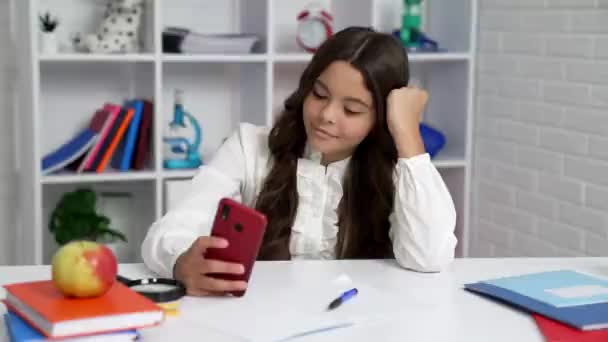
223, 243
243, 285
241, 269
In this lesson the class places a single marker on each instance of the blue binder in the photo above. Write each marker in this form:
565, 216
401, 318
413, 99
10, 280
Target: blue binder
20, 331
584, 304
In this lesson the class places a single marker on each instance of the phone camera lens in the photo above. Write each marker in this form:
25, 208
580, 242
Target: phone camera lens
225, 212
238, 227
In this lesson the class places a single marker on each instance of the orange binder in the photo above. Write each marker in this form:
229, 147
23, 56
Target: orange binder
115, 140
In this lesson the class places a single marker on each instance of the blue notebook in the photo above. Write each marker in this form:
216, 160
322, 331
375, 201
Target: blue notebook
123, 155
127, 157
68, 152
20, 331
570, 297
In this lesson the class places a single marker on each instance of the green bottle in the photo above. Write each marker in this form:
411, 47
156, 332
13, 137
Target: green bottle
410, 21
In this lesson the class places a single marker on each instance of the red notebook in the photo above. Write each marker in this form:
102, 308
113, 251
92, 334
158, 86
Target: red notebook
45, 308
558, 332
142, 148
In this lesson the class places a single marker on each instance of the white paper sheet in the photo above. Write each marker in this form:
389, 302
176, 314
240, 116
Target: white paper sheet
282, 314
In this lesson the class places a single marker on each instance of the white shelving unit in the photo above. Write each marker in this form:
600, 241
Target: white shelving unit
58, 95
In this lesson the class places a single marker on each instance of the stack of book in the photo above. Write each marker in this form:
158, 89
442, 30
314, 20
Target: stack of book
566, 305
183, 40
117, 137
38, 311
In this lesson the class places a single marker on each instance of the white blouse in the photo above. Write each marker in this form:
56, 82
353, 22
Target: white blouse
422, 222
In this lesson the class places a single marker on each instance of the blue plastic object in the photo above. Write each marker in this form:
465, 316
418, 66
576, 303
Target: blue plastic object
433, 139
181, 145
421, 43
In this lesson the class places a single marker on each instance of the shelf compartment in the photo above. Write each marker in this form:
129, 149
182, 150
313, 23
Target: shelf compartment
345, 13
218, 95
447, 109
219, 17
71, 93
84, 17
128, 205
448, 22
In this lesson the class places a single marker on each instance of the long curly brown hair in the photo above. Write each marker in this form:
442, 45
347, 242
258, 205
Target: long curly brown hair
368, 188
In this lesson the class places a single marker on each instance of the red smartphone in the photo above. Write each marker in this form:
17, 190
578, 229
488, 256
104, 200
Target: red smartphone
244, 229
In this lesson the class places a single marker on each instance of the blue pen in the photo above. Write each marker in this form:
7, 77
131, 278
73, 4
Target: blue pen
343, 298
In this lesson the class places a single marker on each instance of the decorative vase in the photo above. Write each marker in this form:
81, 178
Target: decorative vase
48, 43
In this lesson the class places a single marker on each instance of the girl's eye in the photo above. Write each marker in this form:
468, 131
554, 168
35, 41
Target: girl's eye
317, 94
351, 112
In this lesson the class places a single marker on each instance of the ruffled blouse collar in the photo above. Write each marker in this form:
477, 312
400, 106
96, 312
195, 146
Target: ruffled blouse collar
315, 226
316, 157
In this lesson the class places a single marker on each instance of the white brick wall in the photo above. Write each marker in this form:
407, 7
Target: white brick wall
541, 136
7, 175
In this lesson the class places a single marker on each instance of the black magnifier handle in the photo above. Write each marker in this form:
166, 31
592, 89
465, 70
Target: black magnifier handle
124, 280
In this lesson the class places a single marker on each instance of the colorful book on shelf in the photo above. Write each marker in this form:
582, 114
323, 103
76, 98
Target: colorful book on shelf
119, 150
116, 139
73, 166
124, 153
20, 331
554, 331
105, 144
54, 315
113, 111
142, 148
570, 297
75, 147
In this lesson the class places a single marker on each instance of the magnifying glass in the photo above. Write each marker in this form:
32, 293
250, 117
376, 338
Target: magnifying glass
163, 291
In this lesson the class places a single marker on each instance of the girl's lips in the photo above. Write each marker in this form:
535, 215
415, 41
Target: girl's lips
323, 133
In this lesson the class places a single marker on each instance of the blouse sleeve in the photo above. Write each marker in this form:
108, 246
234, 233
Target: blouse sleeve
424, 217
193, 216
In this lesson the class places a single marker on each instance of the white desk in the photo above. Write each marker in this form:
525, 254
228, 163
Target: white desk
436, 306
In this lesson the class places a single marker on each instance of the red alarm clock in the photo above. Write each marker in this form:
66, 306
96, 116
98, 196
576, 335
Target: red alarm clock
314, 27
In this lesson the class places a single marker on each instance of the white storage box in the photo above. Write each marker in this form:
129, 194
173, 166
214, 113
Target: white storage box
181, 40
225, 43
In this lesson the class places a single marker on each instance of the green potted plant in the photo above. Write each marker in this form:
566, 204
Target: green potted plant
48, 34
76, 218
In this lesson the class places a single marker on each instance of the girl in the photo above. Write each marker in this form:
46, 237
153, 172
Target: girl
342, 174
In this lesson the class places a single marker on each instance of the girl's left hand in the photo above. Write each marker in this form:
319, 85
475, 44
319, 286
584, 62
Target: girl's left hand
404, 109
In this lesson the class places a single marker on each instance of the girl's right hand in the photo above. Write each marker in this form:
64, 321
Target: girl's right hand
191, 268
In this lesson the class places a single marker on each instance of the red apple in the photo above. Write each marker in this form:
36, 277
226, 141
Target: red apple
84, 269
